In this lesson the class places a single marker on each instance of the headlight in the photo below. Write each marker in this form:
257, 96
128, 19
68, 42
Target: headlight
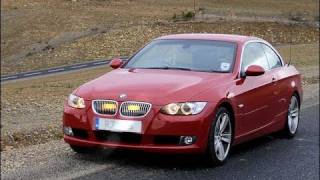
76, 101
187, 108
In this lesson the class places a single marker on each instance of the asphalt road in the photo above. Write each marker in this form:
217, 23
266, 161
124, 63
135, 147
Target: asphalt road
53, 70
271, 157
56, 70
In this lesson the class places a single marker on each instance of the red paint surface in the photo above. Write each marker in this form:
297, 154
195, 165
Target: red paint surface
264, 100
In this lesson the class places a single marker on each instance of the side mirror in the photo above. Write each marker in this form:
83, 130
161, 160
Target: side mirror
116, 63
254, 70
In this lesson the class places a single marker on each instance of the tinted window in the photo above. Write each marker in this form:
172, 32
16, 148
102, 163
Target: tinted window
254, 55
196, 55
273, 58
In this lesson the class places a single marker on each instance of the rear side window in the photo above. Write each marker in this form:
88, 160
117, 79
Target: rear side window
254, 55
273, 58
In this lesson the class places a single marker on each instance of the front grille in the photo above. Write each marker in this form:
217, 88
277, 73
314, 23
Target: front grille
130, 138
107, 107
134, 109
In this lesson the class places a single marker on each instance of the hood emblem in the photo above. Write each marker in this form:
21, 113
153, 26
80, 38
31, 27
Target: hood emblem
122, 96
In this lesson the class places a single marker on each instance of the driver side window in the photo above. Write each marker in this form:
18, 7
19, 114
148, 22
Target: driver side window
254, 55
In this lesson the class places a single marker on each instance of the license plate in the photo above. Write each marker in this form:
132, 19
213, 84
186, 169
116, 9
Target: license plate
118, 125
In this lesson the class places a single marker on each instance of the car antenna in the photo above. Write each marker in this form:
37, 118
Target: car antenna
290, 58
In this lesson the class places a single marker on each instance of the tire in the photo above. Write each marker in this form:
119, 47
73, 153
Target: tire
220, 138
84, 150
293, 117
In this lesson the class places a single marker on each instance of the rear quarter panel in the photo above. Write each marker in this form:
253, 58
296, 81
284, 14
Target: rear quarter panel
289, 82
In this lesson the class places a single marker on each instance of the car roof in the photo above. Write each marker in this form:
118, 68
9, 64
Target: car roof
214, 37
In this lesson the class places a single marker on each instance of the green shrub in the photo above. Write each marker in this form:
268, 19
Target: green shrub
184, 16
188, 15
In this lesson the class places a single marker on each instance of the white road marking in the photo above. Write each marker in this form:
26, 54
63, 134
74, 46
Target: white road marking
79, 66
10, 77
30, 74
55, 70
51, 71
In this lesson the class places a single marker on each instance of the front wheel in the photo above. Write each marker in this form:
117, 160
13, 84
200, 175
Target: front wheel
220, 137
292, 122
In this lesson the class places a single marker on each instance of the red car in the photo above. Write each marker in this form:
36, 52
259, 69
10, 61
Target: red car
187, 93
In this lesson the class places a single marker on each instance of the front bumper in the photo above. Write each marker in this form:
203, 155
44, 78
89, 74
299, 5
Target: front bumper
145, 147
160, 133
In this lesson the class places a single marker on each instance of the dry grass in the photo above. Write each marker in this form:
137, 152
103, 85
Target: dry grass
306, 58
302, 55
307, 10
31, 110
125, 41
40, 100
41, 34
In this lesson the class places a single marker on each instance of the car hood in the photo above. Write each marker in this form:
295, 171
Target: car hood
155, 86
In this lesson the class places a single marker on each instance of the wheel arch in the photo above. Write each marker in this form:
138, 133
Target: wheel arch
295, 92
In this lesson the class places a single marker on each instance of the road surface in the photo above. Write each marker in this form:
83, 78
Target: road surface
56, 70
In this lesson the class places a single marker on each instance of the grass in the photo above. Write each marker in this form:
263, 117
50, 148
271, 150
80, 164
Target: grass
42, 34
306, 58
307, 10
302, 55
31, 110
125, 41
43, 96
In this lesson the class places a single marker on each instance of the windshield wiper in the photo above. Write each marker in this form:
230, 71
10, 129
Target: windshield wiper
168, 67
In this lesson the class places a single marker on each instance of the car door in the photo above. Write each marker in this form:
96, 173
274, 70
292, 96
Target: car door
254, 92
279, 102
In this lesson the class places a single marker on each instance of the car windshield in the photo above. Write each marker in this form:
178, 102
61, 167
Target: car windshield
192, 55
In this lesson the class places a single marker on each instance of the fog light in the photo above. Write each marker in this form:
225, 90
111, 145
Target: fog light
68, 131
187, 140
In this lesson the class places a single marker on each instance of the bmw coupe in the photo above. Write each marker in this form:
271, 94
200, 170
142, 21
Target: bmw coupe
187, 93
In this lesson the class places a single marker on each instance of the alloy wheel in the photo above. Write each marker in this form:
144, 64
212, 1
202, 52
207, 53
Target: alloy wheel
293, 115
222, 136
